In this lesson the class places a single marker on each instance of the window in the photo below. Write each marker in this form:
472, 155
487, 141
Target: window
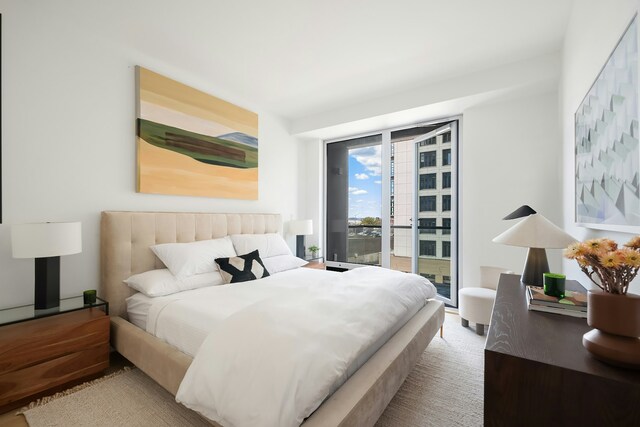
427, 159
391, 209
446, 249
427, 248
428, 203
446, 279
427, 225
392, 186
446, 157
446, 137
427, 181
393, 169
430, 277
446, 179
446, 202
446, 225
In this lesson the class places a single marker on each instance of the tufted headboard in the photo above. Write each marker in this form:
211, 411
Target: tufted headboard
125, 238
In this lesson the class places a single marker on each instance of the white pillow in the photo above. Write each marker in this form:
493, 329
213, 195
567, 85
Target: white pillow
271, 244
278, 263
187, 259
155, 283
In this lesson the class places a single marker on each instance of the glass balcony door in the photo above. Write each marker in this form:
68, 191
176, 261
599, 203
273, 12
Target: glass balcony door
391, 201
434, 230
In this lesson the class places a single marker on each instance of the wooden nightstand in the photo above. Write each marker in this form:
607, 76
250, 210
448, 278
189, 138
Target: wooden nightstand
317, 263
44, 350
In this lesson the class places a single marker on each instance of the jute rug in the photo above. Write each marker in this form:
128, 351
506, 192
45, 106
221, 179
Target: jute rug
444, 389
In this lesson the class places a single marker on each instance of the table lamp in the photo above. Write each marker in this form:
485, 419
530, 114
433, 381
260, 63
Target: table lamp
536, 233
46, 242
300, 228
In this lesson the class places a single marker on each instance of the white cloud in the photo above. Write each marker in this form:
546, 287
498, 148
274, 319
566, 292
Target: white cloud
370, 158
361, 176
356, 191
377, 182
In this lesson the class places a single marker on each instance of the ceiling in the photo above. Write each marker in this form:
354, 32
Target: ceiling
297, 58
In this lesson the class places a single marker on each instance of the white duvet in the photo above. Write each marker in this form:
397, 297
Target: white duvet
292, 342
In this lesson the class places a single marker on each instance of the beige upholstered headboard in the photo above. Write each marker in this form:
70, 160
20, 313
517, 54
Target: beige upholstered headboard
125, 238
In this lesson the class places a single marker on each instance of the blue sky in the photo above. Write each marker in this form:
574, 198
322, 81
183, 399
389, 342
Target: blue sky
365, 182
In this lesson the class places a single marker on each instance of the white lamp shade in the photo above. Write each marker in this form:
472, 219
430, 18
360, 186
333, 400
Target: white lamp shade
301, 227
535, 231
44, 240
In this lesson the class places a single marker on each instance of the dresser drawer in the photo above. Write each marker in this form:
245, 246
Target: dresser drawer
36, 341
21, 383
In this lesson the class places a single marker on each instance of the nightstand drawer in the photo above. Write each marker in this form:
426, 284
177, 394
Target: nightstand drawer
36, 341
33, 379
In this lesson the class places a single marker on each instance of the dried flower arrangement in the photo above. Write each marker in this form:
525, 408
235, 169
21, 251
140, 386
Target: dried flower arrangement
614, 267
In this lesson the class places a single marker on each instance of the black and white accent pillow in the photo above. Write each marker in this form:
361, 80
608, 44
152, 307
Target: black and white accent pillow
242, 268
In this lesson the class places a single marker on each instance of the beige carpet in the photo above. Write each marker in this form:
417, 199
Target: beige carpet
446, 386
445, 389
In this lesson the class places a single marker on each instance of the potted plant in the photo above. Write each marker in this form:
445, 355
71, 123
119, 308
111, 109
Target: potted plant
314, 251
611, 309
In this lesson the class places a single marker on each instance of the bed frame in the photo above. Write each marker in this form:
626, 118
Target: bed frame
125, 241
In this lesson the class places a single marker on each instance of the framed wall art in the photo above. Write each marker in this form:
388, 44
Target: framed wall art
192, 143
607, 157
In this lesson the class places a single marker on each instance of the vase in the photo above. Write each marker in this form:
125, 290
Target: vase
615, 338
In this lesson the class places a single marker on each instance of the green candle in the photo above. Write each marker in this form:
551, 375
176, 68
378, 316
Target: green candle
554, 284
89, 296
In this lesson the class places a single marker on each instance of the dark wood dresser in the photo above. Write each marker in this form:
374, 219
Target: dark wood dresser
538, 373
40, 352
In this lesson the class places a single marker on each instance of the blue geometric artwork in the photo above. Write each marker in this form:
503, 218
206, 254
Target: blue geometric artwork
607, 152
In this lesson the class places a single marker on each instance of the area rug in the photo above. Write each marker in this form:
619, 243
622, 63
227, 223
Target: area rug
126, 398
446, 386
444, 389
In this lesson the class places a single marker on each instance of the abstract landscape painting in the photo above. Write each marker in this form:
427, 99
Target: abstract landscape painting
607, 152
191, 143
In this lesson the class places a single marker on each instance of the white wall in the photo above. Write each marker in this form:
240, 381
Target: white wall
68, 135
593, 31
510, 156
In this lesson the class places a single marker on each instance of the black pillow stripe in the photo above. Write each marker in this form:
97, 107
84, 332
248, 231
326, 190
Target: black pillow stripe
250, 263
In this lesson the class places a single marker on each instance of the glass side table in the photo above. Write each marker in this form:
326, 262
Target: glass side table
67, 305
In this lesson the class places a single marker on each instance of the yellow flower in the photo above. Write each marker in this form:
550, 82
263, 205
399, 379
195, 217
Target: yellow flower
630, 257
609, 244
574, 250
596, 246
634, 243
610, 260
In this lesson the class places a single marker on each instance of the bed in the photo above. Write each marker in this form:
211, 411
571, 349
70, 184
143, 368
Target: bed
125, 241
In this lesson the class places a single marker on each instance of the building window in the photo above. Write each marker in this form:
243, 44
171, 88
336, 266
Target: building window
427, 248
427, 181
427, 225
446, 137
393, 168
446, 225
446, 249
392, 186
446, 157
391, 205
446, 280
430, 277
428, 203
446, 179
446, 202
427, 159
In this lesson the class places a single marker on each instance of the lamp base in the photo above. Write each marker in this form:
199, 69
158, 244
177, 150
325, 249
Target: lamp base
47, 283
534, 267
300, 246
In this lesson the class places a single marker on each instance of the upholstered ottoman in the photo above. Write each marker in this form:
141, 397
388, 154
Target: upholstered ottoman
475, 305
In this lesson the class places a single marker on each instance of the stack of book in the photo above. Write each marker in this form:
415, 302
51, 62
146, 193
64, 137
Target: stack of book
573, 304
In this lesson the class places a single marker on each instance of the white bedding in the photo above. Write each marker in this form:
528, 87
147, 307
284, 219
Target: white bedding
275, 348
